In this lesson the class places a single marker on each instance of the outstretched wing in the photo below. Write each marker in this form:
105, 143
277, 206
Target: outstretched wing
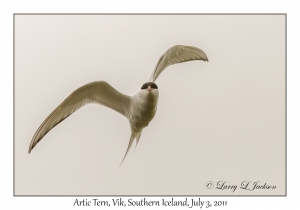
177, 54
95, 92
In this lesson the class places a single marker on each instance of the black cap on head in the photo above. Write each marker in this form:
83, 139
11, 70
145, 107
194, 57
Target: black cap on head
151, 84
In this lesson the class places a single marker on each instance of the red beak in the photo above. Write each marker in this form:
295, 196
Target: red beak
149, 88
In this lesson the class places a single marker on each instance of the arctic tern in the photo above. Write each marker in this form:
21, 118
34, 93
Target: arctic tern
139, 109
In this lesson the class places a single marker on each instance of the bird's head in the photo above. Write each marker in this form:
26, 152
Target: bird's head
150, 88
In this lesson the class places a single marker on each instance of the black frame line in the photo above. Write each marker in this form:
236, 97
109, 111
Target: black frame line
285, 14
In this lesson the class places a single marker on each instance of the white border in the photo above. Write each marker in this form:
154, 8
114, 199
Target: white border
6, 81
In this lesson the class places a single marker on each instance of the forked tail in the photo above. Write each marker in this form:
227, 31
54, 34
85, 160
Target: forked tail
134, 135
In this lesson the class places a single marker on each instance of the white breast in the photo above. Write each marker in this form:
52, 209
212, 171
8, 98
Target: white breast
143, 108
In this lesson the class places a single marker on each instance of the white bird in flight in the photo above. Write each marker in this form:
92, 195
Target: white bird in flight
138, 109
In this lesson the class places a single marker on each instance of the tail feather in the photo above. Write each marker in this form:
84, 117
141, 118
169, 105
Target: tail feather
137, 139
132, 137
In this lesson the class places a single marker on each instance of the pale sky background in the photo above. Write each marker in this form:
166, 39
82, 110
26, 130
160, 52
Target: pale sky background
221, 120
8, 201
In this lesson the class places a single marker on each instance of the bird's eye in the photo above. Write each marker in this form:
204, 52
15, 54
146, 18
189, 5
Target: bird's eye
154, 86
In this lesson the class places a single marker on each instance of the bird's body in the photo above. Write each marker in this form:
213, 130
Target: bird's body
143, 109
139, 109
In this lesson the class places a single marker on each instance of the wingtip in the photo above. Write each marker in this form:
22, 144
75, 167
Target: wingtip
122, 162
30, 148
205, 58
